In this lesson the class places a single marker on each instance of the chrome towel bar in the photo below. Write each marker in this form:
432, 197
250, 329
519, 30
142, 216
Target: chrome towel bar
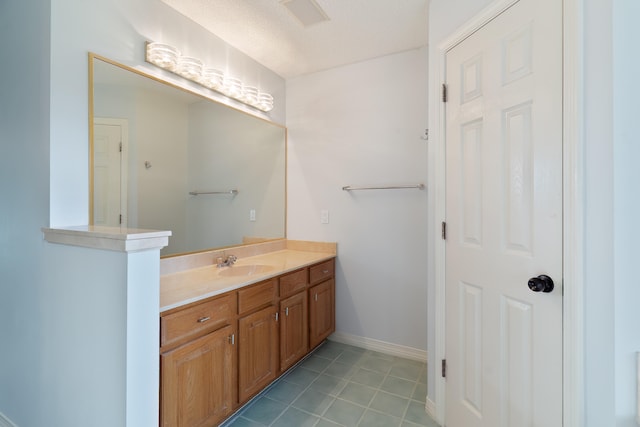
195, 193
389, 187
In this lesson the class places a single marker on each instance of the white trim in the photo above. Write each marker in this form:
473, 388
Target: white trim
430, 407
108, 238
474, 24
573, 215
6, 422
381, 346
573, 202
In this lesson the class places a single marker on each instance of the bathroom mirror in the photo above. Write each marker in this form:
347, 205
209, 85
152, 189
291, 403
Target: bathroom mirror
162, 157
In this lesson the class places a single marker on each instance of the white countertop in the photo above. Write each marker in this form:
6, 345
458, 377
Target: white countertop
196, 284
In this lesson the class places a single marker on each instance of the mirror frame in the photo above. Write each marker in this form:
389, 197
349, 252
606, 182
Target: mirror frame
94, 56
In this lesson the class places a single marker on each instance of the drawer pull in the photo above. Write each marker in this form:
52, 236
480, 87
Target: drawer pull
203, 319
276, 315
325, 271
232, 339
316, 297
286, 311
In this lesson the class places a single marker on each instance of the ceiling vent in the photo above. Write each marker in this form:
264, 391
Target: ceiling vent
308, 12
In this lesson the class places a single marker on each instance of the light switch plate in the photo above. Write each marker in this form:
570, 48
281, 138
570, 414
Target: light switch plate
252, 215
324, 216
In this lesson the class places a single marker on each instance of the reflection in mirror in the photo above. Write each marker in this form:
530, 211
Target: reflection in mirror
153, 144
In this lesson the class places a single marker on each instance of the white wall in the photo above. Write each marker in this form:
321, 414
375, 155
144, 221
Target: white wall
361, 125
162, 130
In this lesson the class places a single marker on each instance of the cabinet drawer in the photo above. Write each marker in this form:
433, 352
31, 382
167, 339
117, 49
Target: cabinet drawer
293, 282
256, 296
320, 272
196, 320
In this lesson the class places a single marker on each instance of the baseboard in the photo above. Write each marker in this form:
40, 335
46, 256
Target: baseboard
381, 346
6, 422
430, 407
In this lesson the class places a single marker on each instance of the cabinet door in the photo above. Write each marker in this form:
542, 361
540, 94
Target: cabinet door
257, 352
197, 381
294, 338
321, 312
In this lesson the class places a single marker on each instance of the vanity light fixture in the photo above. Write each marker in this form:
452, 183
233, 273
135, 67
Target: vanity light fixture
169, 58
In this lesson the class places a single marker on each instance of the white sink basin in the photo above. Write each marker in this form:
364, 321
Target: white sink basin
245, 270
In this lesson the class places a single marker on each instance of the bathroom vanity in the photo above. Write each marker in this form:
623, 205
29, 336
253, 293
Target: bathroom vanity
227, 333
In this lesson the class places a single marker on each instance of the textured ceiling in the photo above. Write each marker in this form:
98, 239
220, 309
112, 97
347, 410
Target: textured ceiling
357, 30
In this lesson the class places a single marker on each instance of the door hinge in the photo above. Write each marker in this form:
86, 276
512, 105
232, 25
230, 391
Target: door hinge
444, 368
444, 230
121, 146
120, 219
444, 92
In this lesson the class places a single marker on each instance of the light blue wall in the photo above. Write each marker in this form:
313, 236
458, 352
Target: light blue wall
24, 204
83, 346
56, 303
626, 91
599, 286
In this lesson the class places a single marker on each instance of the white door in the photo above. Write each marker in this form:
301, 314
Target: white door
504, 221
109, 172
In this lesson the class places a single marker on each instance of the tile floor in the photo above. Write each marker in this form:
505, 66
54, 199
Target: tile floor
342, 385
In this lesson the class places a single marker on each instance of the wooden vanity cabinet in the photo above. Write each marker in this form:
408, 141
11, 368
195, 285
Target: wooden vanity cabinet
294, 325
321, 302
258, 338
208, 368
197, 363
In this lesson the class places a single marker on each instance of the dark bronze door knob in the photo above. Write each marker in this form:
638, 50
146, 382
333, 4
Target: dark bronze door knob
541, 283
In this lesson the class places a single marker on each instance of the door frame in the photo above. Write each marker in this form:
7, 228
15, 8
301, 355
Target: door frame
572, 198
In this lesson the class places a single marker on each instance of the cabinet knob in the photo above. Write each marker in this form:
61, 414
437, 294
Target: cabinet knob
203, 319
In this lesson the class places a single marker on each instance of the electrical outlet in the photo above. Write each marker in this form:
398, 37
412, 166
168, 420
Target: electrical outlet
252, 215
324, 216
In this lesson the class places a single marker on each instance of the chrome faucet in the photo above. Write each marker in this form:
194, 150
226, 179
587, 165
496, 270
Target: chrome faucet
231, 259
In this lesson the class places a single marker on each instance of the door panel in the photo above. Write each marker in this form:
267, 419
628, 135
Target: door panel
110, 140
257, 352
294, 329
504, 221
197, 381
321, 312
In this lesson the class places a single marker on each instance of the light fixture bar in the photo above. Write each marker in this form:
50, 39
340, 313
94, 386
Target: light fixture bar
169, 58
